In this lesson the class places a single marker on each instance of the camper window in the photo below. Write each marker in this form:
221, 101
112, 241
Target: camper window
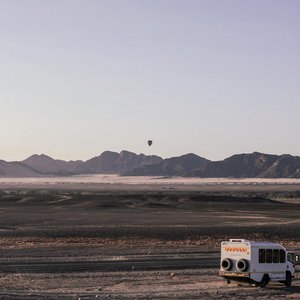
276, 256
282, 256
269, 256
262, 256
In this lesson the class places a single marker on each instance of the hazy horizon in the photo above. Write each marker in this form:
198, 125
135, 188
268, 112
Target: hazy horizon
214, 78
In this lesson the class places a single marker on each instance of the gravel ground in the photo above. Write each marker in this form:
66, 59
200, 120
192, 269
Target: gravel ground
186, 284
43, 225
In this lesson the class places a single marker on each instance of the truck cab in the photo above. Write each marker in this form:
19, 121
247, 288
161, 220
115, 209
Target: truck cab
256, 262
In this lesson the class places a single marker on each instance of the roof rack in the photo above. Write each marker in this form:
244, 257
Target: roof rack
238, 240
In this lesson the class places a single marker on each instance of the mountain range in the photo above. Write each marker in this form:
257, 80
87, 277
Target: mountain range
126, 163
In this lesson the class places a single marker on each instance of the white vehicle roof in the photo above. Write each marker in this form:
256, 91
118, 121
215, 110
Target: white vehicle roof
253, 243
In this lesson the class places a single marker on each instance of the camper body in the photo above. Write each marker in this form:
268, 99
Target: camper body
256, 262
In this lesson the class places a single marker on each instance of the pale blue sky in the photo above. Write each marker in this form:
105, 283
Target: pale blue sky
211, 77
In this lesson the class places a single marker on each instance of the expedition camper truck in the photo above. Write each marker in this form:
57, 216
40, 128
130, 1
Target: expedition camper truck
256, 262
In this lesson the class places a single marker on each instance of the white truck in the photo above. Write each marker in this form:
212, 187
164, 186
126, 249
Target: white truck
256, 262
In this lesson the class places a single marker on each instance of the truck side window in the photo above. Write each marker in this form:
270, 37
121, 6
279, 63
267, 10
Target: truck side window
269, 255
290, 258
282, 256
276, 256
262, 256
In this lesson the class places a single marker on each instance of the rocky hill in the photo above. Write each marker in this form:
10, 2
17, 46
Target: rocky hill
252, 165
49, 166
108, 162
175, 166
119, 163
127, 163
17, 169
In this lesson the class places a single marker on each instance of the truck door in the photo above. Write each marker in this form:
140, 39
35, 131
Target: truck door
291, 262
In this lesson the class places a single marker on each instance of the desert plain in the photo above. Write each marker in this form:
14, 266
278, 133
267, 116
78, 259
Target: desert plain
111, 237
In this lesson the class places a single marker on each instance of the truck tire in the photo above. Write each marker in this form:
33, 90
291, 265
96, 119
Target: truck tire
242, 265
265, 280
226, 264
288, 279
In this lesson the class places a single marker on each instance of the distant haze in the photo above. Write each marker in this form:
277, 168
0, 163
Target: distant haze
204, 76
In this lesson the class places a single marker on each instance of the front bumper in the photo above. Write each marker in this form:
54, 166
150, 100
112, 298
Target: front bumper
234, 274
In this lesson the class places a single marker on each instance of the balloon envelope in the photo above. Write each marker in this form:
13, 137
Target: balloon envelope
149, 143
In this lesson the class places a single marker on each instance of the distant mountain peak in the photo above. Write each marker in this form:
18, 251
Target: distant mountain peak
46, 165
39, 156
128, 153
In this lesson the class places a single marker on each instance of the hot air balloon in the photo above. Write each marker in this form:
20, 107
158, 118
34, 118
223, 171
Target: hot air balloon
150, 143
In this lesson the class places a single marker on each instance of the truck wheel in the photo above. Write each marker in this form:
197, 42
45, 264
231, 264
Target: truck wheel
288, 280
265, 280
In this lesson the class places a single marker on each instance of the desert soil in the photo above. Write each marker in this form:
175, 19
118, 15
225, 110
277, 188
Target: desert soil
166, 237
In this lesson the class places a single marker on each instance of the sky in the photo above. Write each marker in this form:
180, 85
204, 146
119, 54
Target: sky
210, 77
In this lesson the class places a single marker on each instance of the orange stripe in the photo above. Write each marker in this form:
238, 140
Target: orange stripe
235, 249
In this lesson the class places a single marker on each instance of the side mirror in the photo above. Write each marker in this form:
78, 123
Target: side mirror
297, 259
